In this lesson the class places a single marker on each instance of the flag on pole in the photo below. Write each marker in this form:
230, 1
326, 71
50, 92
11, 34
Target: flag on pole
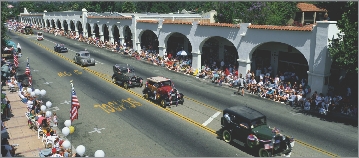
30, 80
16, 61
75, 105
27, 70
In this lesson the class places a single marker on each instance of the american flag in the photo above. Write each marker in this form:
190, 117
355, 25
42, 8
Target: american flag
16, 61
75, 106
30, 80
27, 71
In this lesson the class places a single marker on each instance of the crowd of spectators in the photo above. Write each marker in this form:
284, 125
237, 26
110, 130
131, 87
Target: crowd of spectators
284, 87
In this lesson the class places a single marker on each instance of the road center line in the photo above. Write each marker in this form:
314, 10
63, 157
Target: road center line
211, 118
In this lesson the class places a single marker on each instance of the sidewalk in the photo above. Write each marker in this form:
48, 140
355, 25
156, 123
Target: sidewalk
19, 132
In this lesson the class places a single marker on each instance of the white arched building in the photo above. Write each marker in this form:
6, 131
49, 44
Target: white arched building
310, 40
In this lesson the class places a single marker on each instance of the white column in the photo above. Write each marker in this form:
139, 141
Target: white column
122, 39
161, 50
274, 62
110, 34
100, 32
196, 60
243, 66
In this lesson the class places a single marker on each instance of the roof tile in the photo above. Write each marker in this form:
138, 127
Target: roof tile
108, 17
220, 24
307, 7
148, 21
284, 28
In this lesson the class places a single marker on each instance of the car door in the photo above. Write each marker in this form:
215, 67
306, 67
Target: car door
77, 57
242, 131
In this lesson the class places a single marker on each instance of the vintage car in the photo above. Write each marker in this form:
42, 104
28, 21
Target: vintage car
83, 58
28, 30
124, 74
40, 36
162, 91
248, 127
60, 48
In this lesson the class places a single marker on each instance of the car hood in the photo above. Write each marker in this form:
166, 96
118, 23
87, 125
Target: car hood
263, 132
165, 89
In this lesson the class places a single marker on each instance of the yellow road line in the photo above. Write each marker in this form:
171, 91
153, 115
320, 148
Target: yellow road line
172, 112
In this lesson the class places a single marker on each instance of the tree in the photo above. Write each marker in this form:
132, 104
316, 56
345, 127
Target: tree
344, 50
128, 7
4, 15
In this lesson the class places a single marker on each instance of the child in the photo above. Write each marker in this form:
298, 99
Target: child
55, 119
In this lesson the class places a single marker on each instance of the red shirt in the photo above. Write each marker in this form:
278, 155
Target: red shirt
169, 56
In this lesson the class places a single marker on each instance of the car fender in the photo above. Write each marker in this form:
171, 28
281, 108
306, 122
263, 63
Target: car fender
146, 90
181, 95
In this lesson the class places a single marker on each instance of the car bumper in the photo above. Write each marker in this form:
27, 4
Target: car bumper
174, 102
63, 50
132, 83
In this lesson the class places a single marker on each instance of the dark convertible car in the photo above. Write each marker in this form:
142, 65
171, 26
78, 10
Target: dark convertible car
60, 48
124, 74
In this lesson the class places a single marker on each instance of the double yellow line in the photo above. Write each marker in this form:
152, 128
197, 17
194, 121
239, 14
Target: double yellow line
103, 76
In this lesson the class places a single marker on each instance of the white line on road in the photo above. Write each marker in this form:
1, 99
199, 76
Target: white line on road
211, 118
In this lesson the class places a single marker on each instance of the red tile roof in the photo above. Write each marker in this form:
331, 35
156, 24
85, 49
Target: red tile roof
108, 17
220, 24
306, 7
148, 21
177, 22
284, 28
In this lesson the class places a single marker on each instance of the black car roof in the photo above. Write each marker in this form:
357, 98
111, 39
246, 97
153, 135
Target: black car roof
244, 112
125, 66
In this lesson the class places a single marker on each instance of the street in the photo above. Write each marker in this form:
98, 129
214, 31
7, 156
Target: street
122, 123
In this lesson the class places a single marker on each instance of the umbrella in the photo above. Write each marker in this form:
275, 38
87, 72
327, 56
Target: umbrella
182, 52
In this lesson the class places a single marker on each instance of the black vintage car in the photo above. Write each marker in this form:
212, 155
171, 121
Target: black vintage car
124, 74
60, 48
248, 127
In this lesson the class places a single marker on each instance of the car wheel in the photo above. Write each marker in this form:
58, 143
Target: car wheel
141, 85
125, 85
163, 103
82, 65
227, 136
145, 96
263, 153
114, 80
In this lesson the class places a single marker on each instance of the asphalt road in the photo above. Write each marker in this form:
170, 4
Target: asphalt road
321, 134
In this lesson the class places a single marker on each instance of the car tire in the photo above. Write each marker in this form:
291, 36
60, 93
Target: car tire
125, 85
145, 96
263, 153
141, 85
227, 137
163, 103
114, 80
82, 65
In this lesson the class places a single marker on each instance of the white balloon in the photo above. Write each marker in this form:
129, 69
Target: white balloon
65, 131
80, 150
43, 108
29, 90
67, 123
32, 94
37, 91
43, 92
48, 104
48, 113
66, 144
99, 153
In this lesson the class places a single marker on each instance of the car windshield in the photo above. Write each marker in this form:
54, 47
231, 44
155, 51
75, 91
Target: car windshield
258, 122
39, 34
85, 54
166, 83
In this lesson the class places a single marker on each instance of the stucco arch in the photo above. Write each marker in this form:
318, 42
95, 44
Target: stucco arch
72, 26
171, 34
115, 32
105, 32
261, 44
58, 24
53, 23
65, 26
154, 39
79, 26
96, 30
47, 23
89, 30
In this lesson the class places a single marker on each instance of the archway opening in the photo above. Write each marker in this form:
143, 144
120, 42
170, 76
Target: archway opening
217, 49
59, 24
72, 26
105, 32
178, 42
47, 23
53, 23
65, 25
128, 37
96, 31
116, 34
149, 41
79, 27
89, 32
280, 59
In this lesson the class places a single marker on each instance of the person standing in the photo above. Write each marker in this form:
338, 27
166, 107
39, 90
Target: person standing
241, 84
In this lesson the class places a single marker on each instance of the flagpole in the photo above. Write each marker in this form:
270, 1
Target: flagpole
72, 87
